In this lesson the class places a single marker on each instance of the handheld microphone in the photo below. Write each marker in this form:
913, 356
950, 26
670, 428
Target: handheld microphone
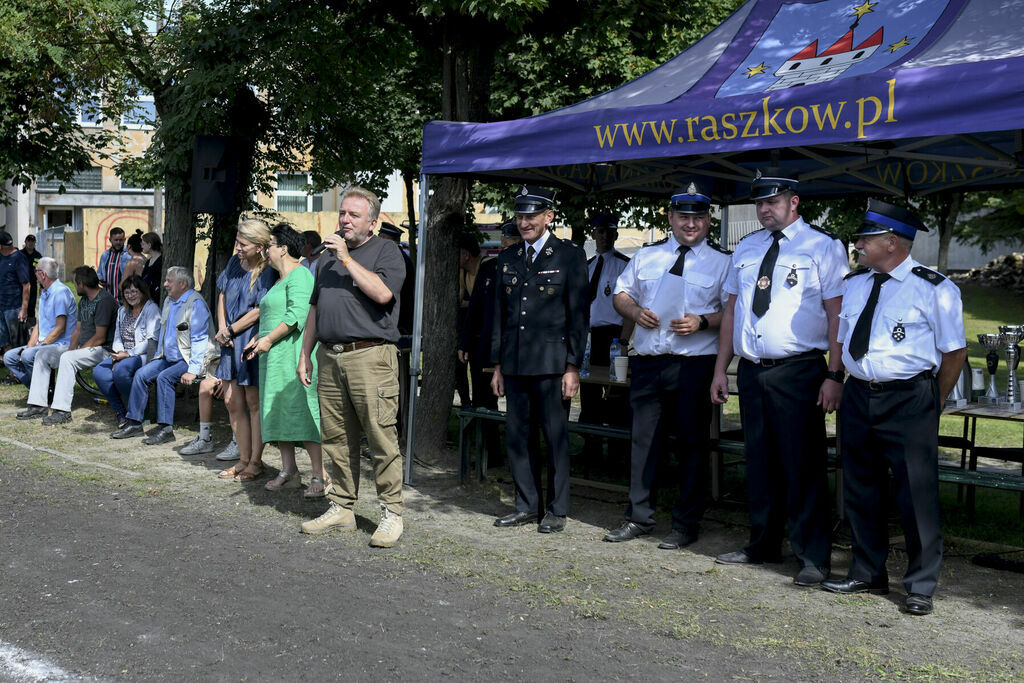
319, 250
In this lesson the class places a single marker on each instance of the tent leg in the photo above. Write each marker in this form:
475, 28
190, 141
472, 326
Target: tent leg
723, 237
416, 370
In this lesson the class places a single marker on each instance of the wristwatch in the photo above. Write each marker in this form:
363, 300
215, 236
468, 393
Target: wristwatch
836, 375
703, 323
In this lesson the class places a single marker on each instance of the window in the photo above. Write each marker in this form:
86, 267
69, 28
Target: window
142, 113
89, 112
91, 179
293, 193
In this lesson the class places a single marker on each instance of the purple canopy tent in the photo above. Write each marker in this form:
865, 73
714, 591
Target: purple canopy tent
897, 97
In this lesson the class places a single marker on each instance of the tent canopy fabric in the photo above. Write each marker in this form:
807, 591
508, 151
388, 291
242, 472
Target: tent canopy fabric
897, 97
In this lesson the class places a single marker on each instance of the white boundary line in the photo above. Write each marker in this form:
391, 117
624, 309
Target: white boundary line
78, 461
21, 665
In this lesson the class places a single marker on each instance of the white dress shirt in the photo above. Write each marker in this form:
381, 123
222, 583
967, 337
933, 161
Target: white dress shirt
916, 320
796, 321
602, 312
699, 291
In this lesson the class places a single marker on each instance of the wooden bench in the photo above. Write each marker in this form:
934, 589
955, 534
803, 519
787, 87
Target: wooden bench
475, 417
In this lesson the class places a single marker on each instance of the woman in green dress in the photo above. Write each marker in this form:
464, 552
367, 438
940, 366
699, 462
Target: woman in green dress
290, 412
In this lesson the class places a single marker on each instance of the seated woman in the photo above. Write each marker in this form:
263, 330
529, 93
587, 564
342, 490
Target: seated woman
135, 340
290, 411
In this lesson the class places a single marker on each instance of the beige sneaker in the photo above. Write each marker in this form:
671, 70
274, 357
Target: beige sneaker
336, 517
388, 531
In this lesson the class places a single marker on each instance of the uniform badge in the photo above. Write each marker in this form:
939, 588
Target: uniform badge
551, 290
524, 191
764, 282
607, 290
520, 252
508, 290
515, 280
791, 278
691, 189
548, 251
899, 333
504, 268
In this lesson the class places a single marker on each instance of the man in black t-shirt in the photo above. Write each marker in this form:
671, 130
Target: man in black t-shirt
353, 315
33, 256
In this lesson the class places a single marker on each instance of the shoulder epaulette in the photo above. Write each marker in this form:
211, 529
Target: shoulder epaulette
823, 231
717, 247
928, 274
751, 233
854, 273
654, 244
619, 255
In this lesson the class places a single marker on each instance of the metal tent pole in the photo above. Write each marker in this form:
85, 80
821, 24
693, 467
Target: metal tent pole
724, 228
415, 370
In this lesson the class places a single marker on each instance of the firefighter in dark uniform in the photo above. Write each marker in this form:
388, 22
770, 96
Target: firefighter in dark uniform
902, 332
475, 338
785, 291
538, 340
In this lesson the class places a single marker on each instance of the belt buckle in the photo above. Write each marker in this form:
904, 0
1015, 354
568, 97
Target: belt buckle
875, 386
769, 362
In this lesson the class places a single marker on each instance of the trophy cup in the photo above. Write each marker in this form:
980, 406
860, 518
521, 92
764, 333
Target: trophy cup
992, 344
1010, 335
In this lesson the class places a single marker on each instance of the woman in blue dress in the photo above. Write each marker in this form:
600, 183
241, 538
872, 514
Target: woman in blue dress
242, 284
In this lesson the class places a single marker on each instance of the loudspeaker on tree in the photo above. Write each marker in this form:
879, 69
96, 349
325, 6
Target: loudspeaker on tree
214, 174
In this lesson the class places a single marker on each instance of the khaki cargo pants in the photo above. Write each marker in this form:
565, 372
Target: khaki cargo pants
358, 393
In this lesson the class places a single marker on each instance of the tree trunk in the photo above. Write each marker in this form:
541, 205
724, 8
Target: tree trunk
947, 221
179, 228
468, 58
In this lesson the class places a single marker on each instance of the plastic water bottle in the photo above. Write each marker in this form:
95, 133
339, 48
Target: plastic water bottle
585, 369
613, 352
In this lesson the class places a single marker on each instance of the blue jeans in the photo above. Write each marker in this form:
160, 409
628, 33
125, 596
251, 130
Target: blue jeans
115, 381
166, 374
20, 360
9, 326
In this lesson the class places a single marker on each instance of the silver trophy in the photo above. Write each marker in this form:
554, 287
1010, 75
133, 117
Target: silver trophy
1010, 335
992, 344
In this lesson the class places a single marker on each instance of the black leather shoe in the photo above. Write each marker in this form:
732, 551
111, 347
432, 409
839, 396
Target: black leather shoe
811, 576
919, 605
164, 435
850, 586
57, 417
127, 432
551, 523
678, 539
627, 532
32, 412
516, 519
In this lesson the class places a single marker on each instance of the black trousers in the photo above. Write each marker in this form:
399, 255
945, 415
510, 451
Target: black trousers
669, 395
787, 478
603, 404
894, 429
542, 394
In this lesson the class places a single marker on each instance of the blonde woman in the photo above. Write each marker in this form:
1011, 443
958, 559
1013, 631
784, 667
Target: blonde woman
241, 285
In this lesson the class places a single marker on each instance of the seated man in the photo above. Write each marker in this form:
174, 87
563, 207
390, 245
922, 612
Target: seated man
89, 346
185, 352
57, 322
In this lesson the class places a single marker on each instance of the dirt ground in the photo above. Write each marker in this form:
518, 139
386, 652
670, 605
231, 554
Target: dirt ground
122, 561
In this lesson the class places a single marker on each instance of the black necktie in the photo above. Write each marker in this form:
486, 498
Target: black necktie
677, 267
595, 279
862, 332
763, 293
530, 253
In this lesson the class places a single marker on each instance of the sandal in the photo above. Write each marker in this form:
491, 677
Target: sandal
246, 475
284, 480
317, 489
233, 471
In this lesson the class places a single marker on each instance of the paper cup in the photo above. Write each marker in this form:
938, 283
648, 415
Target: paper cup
621, 368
